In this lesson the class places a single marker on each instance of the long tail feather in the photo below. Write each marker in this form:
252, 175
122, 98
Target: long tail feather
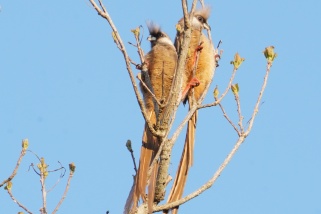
151, 189
148, 150
185, 163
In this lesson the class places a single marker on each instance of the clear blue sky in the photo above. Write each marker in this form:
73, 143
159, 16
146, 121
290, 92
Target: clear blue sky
64, 86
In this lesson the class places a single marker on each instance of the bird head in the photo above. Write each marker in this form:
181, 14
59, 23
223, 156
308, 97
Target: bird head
199, 20
157, 36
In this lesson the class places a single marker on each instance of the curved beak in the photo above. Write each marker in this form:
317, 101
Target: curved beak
207, 26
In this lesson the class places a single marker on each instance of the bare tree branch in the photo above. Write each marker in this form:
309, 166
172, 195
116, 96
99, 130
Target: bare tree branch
23, 152
43, 210
208, 184
238, 103
103, 13
173, 102
238, 143
71, 174
229, 120
149, 91
256, 108
17, 202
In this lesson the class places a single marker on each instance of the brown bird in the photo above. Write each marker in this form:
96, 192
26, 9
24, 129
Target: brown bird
199, 70
161, 63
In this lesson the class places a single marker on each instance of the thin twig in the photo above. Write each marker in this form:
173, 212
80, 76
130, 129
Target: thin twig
14, 172
102, 6
130, 149
133, 157
238, 103
208, 31
33, 167
202, 3
139, 77
229, 120
224, 93
103, 13
183, 123
71, 174
17, 202
256, 108
139, 49
44, 193
34, 154
59, 179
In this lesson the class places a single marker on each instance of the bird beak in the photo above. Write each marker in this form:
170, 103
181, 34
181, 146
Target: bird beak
206, 26
151, 38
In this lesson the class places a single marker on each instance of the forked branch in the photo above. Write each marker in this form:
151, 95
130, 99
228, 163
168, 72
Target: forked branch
229, 157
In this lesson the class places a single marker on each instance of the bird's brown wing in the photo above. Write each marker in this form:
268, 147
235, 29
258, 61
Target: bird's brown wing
162, 65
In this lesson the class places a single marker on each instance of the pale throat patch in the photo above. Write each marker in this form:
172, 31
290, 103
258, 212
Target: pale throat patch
165, 40
196, 22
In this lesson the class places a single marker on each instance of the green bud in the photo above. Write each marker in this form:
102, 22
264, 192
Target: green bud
129, 145
136, 31
269, 54
8, 186
25, 144
72, 167
113, 34
237, 61
235, 89
216, 92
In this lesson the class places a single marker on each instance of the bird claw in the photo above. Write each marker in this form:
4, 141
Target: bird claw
139, 67
142, 67
199, 47
194, 82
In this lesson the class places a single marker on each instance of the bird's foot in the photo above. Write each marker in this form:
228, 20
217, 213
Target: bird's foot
142, 67
198, 49
194, 82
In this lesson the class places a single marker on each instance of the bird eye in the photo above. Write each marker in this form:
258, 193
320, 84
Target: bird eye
200, 18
